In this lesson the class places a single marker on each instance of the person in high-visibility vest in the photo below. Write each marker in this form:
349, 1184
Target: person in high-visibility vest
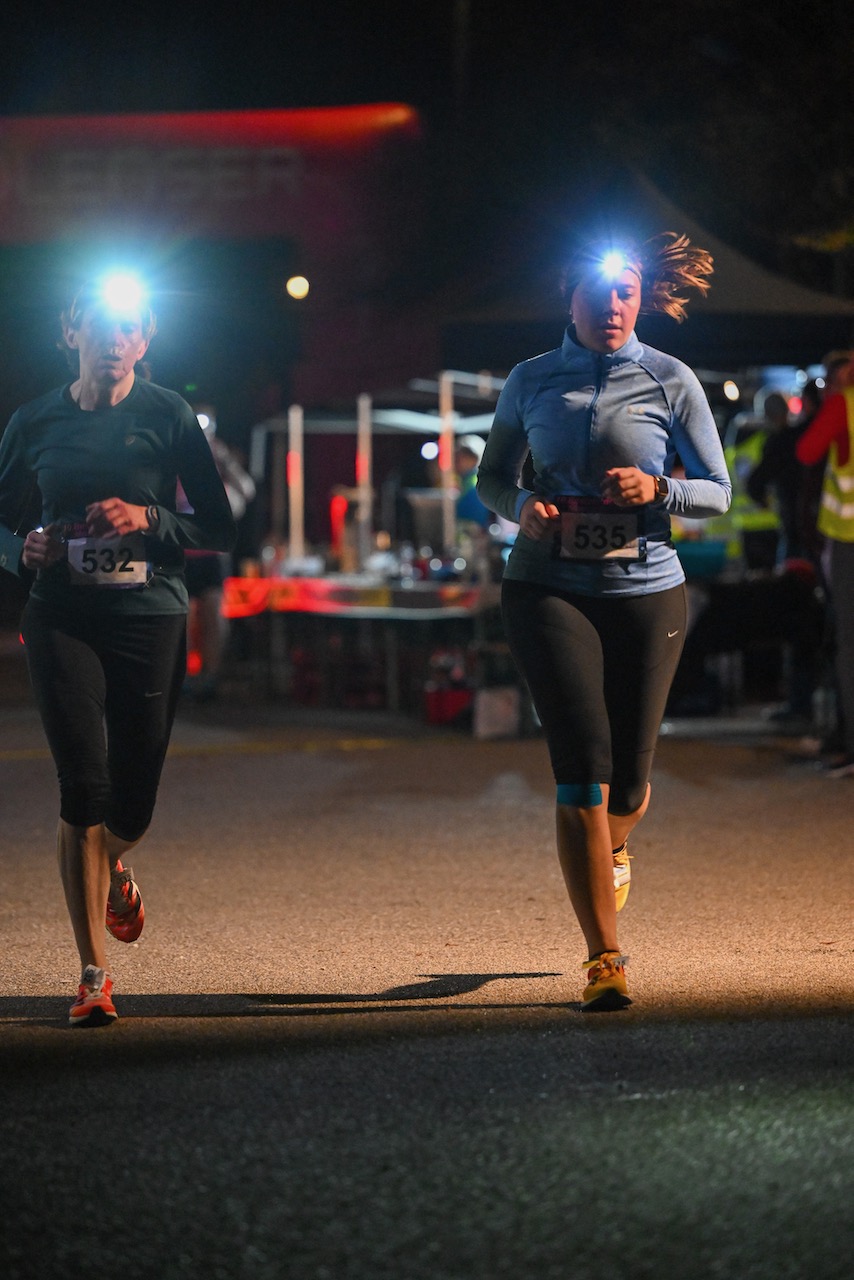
831, 434
757, 526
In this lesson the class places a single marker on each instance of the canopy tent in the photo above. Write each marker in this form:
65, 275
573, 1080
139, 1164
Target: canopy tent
752, 316
390, 422
277, 453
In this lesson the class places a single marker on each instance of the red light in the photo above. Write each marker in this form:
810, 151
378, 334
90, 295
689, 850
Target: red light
293, 467
351, 128
337, 515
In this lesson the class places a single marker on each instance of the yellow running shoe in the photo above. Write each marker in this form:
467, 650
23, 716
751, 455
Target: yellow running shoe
606, 983
622, 874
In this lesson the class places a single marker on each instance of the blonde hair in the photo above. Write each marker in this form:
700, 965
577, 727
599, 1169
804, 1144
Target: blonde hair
672, 265
669, 266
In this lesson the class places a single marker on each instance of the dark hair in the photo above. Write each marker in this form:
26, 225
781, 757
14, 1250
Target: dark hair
90, 295
667, 264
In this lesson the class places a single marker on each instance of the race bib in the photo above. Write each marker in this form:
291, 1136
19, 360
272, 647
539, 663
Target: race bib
108, 562
592, 530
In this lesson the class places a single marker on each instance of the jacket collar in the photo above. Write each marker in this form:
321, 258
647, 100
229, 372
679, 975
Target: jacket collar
581, 358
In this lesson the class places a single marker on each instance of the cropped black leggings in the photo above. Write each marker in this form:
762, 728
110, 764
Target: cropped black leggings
106, 690
599, 672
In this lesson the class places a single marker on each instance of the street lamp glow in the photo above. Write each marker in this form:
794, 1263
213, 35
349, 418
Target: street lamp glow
297, 287
731, 390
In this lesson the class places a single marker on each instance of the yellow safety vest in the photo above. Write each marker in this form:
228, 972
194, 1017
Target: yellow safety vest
745, 514
836, 515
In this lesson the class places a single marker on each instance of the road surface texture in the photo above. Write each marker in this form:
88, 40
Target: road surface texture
350, 1044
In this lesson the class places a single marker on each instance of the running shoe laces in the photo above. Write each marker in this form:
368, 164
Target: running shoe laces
606, 983
125, 912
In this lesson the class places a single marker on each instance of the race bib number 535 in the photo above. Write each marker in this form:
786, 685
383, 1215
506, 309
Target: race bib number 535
108, 562
598, 531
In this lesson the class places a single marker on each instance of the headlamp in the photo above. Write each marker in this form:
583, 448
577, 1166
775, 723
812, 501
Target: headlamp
122, 293
613, 264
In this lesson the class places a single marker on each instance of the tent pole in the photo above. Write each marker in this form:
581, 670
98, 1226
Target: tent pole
364, 476
296, 487
446, 460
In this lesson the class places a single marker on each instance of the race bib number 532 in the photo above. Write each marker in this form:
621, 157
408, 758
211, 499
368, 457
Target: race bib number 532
592, 530
108, 562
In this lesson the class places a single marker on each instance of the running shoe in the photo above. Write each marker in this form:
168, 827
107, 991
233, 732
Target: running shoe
125, 921
606, 983
622, 874
94, 1004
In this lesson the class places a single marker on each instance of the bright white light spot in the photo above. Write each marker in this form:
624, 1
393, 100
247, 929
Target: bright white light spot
122, 293
430, 450
435, 564
613, 264
459, 564
297, 287
203, 420
731, 391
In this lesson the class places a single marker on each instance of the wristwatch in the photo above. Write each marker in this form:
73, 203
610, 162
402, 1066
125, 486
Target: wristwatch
153, 516
662, 488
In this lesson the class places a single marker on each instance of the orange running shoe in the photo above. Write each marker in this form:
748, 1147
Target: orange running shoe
606, 983
125, 922
94, 1004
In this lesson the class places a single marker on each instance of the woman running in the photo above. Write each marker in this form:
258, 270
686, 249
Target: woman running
104, 625
593, 598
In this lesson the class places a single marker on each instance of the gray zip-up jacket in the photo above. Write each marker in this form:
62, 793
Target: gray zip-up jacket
581, 413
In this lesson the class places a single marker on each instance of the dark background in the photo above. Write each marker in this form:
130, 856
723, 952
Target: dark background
743, 116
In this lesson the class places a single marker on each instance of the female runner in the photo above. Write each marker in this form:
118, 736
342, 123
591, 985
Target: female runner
104, 625
593, 598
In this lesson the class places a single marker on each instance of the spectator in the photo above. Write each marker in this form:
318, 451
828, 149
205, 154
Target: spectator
830, 436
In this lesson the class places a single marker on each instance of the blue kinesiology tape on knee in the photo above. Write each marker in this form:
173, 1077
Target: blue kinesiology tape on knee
582, 795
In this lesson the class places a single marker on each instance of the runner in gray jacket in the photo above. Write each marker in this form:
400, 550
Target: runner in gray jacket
593, 596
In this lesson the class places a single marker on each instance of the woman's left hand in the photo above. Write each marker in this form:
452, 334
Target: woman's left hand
113, 518
628, 487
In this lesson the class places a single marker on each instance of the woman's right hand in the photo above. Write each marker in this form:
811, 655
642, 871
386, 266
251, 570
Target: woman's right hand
43, 547
537, 517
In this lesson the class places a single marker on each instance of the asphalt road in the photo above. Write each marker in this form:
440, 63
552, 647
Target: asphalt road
350, 1046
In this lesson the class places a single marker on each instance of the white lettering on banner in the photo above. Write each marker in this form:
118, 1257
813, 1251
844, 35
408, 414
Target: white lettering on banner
90, 178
